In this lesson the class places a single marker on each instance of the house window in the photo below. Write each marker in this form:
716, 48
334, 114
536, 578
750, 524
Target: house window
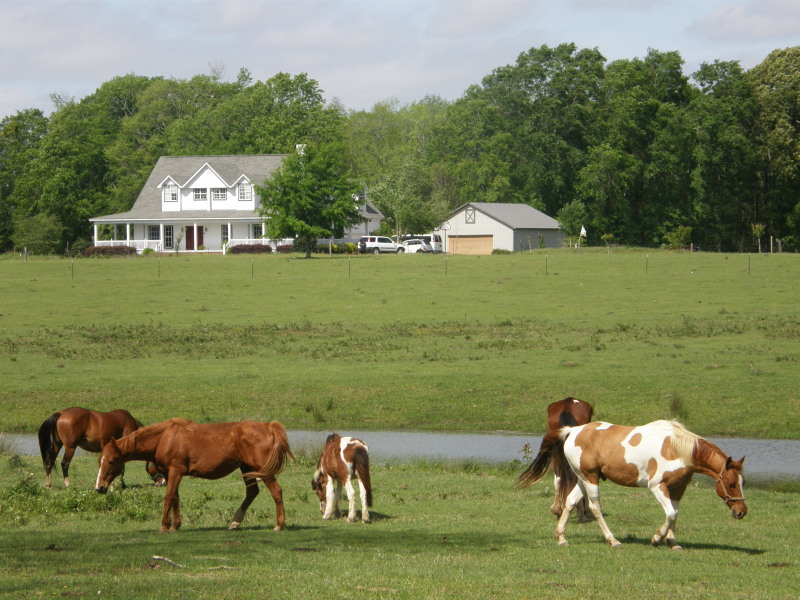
170, 193
469, 216
153, 232
200, 194
224, 234
245, 192
257, 230
169, 238
219, 194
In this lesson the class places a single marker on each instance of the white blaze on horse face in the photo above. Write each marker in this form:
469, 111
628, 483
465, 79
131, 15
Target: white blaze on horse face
649, 443
99, 472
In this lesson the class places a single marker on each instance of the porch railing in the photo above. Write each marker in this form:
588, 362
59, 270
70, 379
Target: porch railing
140, 245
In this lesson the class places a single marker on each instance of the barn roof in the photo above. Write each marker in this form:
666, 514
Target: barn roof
514, 216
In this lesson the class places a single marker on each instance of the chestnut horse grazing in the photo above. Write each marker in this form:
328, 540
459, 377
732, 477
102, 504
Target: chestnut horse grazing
90, 430
179, 447
662, 456
342, 459
568, 412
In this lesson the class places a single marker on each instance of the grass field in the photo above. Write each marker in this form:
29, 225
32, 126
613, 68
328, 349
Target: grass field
438, 531
407, 342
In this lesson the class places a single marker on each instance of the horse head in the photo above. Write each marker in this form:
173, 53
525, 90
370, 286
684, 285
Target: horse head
111, 465
729, 487
319, 483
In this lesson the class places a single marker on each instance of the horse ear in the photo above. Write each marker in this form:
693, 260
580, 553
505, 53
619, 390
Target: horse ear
741, 461
728, 462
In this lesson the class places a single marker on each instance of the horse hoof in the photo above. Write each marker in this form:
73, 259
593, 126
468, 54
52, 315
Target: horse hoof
233, 525
563, 543
615, 544
278, 528
675, 547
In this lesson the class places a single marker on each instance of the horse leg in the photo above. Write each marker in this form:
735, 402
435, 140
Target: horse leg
574, 497
364, 510
171, 518
593, 497
251, 491
557, 508
51, 460
69, 451
277, 495
331, 499
667, 531
351, 500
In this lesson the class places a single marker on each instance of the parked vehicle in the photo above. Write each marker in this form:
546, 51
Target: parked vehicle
376, 244
434, 240
414, 246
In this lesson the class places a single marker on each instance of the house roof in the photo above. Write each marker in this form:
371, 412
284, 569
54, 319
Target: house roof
181, 169
514, 216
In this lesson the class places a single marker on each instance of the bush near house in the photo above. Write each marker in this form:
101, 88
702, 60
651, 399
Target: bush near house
285, 249
109, 251
245, 249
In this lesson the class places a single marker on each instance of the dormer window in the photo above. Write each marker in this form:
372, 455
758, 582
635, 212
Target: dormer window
219, 194
245, 192
200, 194
170, 193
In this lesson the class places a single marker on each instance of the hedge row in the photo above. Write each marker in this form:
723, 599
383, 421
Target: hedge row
109, 251
248, 249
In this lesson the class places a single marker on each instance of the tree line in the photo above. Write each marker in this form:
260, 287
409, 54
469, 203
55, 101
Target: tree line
633, 150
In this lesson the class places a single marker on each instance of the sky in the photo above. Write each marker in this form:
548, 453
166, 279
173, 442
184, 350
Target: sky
359, 51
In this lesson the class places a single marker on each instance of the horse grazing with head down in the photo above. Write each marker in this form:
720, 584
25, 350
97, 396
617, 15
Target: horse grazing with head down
342, 459
90, 430
662, 456
179, 447
568, 412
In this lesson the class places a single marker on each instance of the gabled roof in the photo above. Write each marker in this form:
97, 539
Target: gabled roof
256, 167
513, 216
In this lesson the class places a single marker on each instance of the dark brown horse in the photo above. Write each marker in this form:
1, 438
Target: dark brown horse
342, 459
662, 456
568, 412
90, 430
179, 447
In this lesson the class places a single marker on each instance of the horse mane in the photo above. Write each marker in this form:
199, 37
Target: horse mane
684, 442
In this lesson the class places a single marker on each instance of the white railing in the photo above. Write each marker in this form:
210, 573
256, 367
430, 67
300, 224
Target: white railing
140, 245
255, 242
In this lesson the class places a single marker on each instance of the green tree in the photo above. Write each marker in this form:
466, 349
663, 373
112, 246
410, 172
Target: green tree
571, 218
39, 234
19, 138
310, 196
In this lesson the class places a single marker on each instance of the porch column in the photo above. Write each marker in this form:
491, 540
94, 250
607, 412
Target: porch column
95, 234
127, 234
195, 236
161, 236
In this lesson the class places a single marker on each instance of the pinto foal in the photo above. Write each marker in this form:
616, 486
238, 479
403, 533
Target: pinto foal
341, 460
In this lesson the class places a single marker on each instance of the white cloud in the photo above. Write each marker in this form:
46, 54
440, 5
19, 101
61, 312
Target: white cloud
750, 20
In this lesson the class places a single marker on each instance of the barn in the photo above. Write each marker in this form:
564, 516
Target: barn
480, 227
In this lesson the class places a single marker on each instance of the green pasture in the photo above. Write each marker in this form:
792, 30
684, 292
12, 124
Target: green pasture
407, 342
438, 531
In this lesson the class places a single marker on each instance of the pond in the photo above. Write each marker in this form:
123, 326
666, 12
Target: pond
766, 459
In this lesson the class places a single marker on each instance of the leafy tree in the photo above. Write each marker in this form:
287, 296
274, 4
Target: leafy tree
310, 196
39, 234
571, 218
20, 136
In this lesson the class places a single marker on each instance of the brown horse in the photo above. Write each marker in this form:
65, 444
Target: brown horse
90, 430
568, 412
179, 447
342, 459
662, 456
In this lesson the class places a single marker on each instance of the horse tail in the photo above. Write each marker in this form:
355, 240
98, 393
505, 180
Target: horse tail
566, 476
48, 434
540, 465
361, 466
277, 455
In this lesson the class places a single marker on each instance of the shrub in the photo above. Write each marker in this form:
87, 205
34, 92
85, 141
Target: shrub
285, 249
109, 251
250, 249
501, 251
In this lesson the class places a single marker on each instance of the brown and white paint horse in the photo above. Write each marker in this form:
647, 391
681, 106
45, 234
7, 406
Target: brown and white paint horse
342, 459
662, 456
564, 413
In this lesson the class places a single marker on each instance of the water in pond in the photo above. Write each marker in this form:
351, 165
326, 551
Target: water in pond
766, 459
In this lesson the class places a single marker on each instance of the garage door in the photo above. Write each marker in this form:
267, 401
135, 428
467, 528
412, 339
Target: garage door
470, 244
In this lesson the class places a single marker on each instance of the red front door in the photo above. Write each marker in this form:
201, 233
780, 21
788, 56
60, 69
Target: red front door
190, 245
